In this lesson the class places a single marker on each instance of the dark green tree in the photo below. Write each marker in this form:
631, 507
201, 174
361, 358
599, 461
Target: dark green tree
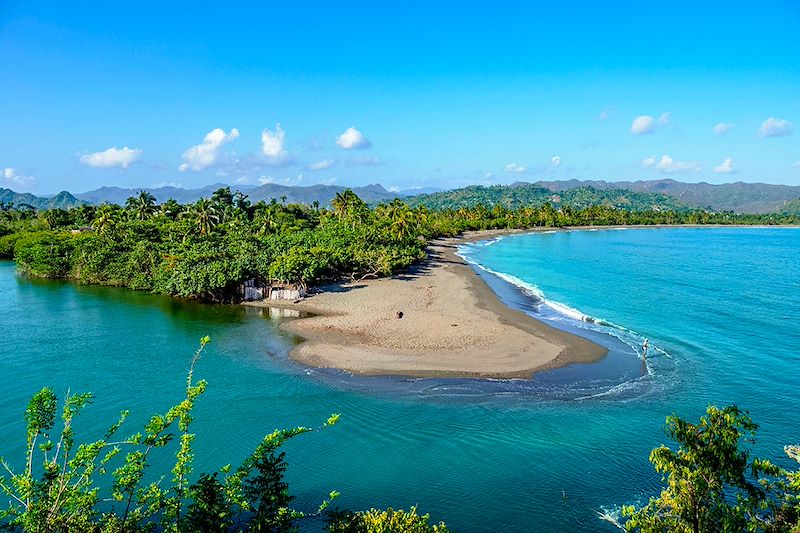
712, 480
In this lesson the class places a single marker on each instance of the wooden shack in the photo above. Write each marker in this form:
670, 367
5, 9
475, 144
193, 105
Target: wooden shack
251, 290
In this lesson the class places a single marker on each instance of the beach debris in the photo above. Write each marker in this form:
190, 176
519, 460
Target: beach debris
399, 314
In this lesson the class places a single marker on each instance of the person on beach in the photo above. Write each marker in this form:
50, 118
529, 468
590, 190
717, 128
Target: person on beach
645, 346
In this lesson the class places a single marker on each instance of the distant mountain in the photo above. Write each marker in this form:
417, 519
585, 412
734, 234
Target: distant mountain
118, 195
526, 194
738, 197
658, 194
319, 193
62, 200
307, 195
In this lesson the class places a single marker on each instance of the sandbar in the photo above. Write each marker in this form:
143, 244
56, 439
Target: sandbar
452, 325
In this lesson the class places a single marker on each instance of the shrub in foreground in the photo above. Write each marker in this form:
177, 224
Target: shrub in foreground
388, 521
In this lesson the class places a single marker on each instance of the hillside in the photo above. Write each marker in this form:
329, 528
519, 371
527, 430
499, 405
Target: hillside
738, 197
62, 200
525, 194
792, 208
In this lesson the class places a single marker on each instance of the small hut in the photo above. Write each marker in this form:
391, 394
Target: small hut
251, 290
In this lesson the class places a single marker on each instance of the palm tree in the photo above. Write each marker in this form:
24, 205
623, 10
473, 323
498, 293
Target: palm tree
266, 221
143, 205
204, 214
347, 203
403, 222
170, 209
106, 219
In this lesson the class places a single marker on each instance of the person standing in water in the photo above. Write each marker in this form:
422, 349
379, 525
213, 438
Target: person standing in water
645, 346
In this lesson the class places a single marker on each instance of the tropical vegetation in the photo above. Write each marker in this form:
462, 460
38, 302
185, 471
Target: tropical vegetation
713, 482
207, 249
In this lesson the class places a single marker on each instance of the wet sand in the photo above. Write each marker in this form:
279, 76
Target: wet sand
453, 325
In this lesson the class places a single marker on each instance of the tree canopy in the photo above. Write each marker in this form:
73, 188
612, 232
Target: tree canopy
208, 248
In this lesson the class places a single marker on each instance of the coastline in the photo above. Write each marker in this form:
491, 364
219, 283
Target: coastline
453, 325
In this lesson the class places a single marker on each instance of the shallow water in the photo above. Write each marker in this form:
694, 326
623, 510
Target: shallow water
484, 456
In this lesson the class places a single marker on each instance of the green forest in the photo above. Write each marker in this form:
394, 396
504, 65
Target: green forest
207, 249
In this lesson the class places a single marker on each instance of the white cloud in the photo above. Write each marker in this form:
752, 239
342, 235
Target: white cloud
202, 156
272, 146
775, 127
726, 167
322, 165
174, 184
722, 128
11, 176
668, 165
352, 139
555, 160
796, 164
515, 168
663, 120
649, 162
643, 124
488, 175
112, 157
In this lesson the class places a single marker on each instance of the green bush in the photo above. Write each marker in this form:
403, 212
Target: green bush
45, 254
378, 521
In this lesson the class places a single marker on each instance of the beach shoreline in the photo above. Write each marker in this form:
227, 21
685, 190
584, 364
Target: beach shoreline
453, 324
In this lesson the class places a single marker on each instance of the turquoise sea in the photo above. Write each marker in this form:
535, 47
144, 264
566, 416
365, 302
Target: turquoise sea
719, 305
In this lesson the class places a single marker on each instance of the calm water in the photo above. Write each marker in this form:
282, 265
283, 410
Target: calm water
719, 305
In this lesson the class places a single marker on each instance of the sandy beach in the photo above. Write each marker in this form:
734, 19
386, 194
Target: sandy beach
453, 325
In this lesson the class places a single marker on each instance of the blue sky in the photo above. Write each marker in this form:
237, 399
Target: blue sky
409, 94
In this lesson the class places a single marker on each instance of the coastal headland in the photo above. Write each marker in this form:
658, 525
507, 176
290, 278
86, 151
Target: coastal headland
438, 320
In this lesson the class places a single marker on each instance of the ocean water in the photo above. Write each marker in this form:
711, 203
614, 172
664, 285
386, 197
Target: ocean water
719, 305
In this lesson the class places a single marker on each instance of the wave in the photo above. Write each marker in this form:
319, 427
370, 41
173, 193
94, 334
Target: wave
575, 317
534, 291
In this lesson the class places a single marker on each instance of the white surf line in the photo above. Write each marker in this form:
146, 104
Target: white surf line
571, 313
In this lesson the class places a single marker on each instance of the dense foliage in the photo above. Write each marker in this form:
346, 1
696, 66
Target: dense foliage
207, 249
714, 484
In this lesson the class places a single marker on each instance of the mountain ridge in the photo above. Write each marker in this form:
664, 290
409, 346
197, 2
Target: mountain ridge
738, 196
